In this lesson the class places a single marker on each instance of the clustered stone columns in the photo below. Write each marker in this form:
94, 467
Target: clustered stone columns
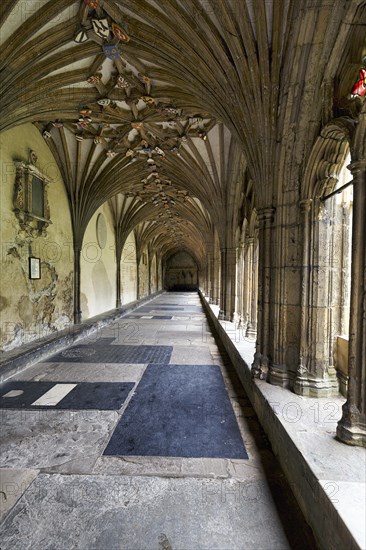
240, 287
118, 283
236, 275
262, 356
252, 294
226, 283
352, 426
316, 376
77, 284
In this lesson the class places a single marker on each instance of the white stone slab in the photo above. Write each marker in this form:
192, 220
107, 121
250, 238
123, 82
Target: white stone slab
54, 395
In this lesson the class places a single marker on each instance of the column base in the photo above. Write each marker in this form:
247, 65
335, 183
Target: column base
352, 435
260, 366
243, 325
77, 317
279, 376
235, 318
316, 387
118, 303
251, 332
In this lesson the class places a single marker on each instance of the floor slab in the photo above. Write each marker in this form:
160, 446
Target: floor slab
109, 512
13, 483
83, 499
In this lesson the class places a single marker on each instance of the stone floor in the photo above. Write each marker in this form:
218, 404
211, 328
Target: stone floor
62, 489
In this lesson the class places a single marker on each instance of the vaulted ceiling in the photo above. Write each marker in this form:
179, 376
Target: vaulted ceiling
171, 109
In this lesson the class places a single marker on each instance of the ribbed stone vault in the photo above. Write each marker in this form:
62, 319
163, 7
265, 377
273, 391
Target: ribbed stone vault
219, 99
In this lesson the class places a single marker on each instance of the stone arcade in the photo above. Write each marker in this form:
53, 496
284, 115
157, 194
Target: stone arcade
183, 233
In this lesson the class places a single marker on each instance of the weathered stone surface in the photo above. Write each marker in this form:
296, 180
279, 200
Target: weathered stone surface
13, 483
137, 512
53, 438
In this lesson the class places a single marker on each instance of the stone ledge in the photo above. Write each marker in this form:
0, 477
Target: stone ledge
16, 360
326, 476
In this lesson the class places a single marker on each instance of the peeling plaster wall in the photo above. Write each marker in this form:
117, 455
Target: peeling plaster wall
98, 268
30, 309
129, 271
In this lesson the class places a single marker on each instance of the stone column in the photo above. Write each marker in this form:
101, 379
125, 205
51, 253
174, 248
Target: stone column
302, 371
138, 286
77, 308
157, 272
234, 274
224, 284
119, 249
262, 356
240, 285
251, 329
246, 286
149, 273
352, 426
118, 281
315, 376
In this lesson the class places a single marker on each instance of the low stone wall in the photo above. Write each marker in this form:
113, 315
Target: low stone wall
326, 476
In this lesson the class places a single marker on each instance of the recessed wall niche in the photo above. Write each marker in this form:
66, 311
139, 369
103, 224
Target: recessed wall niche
30, 199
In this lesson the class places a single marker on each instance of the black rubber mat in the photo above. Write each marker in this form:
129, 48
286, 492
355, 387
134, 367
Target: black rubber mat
86, 395
181, 411
97, 353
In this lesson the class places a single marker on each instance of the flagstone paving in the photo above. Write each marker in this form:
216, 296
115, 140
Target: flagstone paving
141, 438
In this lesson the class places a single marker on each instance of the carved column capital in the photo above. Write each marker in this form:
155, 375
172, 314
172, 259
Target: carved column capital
305, 205
357, 167
266, 214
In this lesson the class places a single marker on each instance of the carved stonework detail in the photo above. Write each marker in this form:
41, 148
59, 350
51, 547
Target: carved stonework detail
31, 225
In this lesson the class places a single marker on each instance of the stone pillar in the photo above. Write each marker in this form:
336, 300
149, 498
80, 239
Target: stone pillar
241, 285
235, 275
315, 376
212, 277
262, 356
217, 276
352, 426
149, 272
138, 286
77, 308
246, 286
223, 284
251, 329
118, 281
157, 260
302, 370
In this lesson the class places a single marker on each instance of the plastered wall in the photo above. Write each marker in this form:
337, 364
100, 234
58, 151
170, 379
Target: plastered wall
30, 309
129, 271
98, 267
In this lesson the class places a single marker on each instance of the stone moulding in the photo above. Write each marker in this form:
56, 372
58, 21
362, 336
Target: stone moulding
31, 225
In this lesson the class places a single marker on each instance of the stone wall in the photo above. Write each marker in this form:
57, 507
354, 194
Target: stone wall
181, 271
29, 308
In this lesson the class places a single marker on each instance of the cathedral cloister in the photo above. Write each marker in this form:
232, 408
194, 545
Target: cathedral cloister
183, 274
